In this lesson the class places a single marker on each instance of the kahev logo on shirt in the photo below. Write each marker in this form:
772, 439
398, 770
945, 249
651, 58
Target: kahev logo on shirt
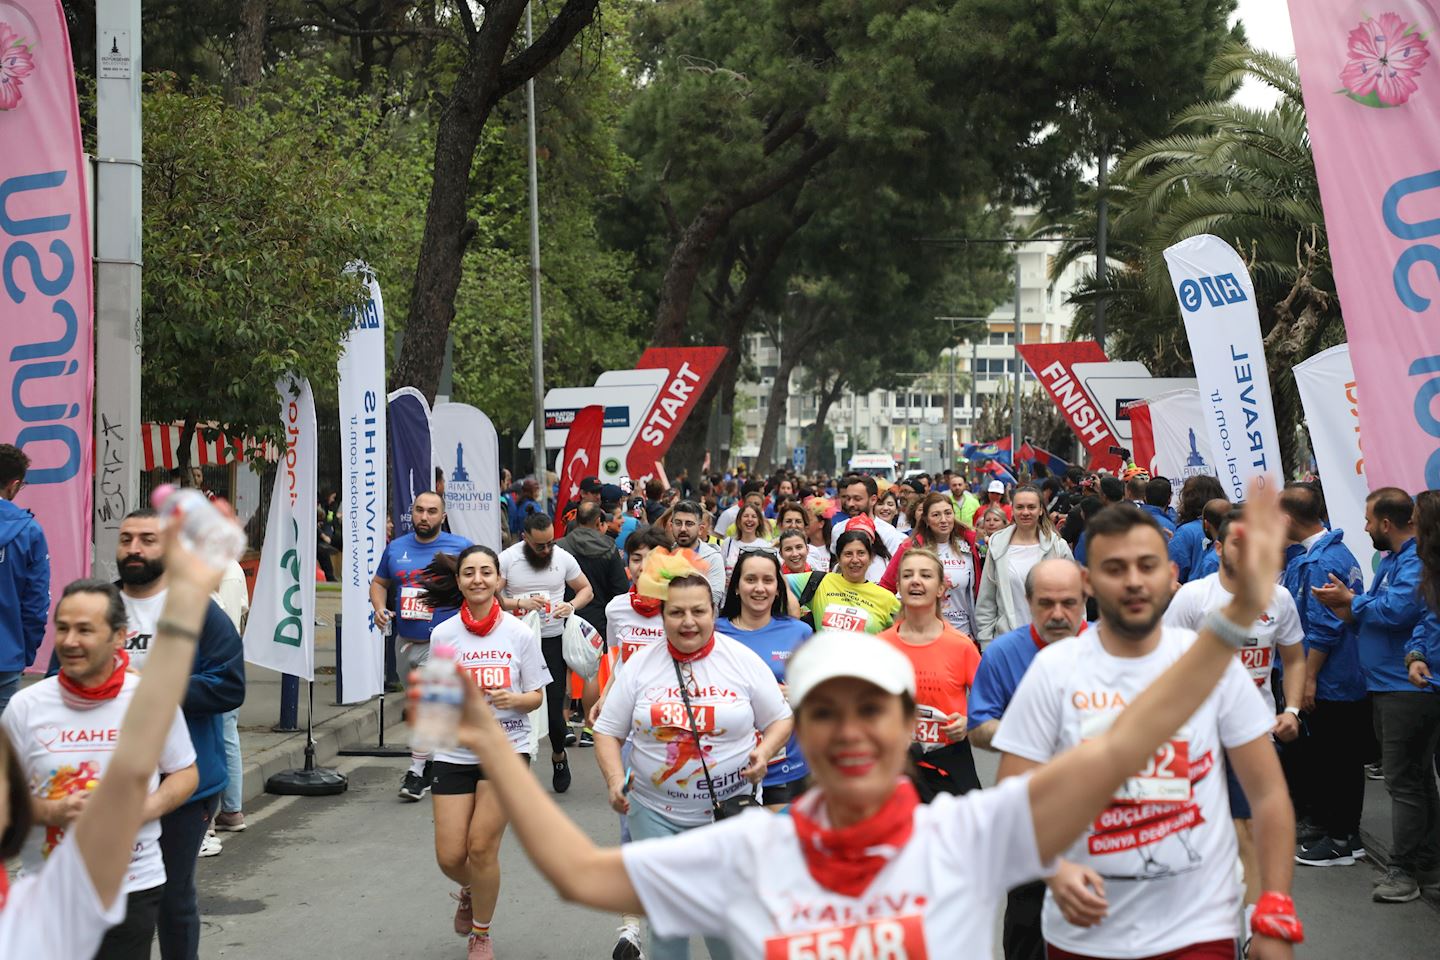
881, 931
882, 906
712, 692
81, 740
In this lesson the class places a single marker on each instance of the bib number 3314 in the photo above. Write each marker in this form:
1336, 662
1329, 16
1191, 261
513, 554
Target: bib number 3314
892, 938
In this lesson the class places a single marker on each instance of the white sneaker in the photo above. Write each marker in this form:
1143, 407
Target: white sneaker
627, 947
210, 846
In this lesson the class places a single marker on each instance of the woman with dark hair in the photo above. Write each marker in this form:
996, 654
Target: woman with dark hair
752, 532
500, 655
844, 599
937, 529
888, 508
817, 532
793, 516
755, 613
1187, 546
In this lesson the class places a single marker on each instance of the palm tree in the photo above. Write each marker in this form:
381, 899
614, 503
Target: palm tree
1246, 176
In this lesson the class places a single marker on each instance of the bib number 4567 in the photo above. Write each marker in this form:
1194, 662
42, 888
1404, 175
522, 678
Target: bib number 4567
893, 938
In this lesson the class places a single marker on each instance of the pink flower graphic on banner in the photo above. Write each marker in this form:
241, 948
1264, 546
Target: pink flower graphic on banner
1384, 57
16, 64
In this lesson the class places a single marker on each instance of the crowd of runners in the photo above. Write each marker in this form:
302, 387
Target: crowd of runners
1186, 697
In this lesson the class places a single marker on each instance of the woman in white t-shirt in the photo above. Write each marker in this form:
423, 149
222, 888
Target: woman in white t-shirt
63, 911
937, 529
860, 868
499, 654
817, 532
704, 715
752, 532
1011, 555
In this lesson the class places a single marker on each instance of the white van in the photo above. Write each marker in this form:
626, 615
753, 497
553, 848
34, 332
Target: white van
879, 465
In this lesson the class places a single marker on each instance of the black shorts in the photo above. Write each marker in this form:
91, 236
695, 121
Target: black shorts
458, 779
787, 792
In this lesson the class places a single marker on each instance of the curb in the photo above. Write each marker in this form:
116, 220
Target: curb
1378, 852
359, 724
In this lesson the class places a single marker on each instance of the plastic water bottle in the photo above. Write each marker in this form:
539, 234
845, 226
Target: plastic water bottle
204, 530
437, 711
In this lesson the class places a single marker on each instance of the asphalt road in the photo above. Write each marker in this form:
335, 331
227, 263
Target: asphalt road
354, 877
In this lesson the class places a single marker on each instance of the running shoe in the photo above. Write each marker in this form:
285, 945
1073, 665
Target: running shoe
1373, 771
414, 787
479, 948
1306, 832
561, 780
1396, 886
569, 737
464, 913
1357, 847
210, 846
587, 737
627, 947
230, 822
1326, 852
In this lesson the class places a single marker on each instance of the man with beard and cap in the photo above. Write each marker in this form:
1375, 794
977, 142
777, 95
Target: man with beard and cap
395, 598
217, 685
534, 575
590, 490
858, 495
1055, 589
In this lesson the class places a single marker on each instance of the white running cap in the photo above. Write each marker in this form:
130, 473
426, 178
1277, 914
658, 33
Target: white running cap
996, 486
841, 653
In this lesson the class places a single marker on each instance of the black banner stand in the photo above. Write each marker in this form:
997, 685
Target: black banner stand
379, 749
310, 781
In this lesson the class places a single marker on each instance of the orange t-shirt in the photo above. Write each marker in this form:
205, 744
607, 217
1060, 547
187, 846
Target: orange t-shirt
944, 674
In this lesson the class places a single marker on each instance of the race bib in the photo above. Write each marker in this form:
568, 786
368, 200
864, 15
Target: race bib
490, 678
672, 714
1257, 660
628, 649
779, 756
845, 618
410, 606
545, 618
1165, 779
928, 723
892, 938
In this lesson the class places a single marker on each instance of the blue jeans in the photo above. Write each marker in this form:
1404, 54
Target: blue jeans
230, 800
646, 824
9, 686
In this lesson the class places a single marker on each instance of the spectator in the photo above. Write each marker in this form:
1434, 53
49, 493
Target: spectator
654, 492
527, 505
234, 598
1214, 514
599, 561
24, 577
1187, 546
1158, 493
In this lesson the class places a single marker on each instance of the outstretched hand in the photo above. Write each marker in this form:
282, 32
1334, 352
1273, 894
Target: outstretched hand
1256, 546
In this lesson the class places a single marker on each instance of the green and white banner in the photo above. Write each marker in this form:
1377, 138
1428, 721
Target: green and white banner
280, 634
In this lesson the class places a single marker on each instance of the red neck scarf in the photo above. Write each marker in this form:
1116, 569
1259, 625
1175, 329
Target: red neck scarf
691, 657
4, 886
107, 690
484, 624
645, 606
1041, 643
845, 861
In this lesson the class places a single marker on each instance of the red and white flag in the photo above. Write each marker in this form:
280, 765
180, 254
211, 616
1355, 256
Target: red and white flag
581, 458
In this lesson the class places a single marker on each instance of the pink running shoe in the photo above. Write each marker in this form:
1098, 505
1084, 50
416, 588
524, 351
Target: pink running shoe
480, 948
464, 915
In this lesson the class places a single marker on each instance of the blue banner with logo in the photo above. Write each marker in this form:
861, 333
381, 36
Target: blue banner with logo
409, 453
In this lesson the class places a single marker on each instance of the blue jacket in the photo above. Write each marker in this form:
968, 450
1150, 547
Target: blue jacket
1209, 563
24, 587
1387, 615
1162, 515
1426, 639
1186, 548
217, 686
1341, 677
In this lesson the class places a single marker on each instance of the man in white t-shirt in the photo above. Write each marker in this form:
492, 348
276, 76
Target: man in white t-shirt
64, 730
1155, 874
858, 495
534, 575
1276, 632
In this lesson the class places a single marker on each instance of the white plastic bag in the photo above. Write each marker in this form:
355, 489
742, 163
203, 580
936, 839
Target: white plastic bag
581, 646
539, 717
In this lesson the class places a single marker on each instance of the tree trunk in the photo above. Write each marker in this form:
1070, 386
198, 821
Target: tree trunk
484, 77
250, 47
828, 397
182, 448
779, 401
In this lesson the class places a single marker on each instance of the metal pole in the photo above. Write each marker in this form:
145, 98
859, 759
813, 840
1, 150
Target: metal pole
1101, 242
950, 414
1019, 341
541, 455
117, 275
909, 410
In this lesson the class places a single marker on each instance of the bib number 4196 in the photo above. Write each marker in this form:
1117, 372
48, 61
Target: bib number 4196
893, 938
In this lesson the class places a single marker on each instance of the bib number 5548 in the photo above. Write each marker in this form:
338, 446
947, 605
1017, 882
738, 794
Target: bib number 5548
893, 938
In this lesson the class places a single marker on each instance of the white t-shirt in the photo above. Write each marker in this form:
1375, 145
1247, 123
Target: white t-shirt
727, 518
734, 695
889, 536
745, 880
1165, 845
141, 615
64, 744
1279, 624
1020, 559
819, 558
62, 893
505, 658
523, 580
959, 583
628, 631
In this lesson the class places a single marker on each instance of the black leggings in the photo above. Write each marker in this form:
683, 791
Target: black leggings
557, 694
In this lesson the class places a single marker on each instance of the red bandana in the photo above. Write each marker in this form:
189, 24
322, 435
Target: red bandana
485, 624
645, 606
691, 657
845, 861
108, 690
4, 886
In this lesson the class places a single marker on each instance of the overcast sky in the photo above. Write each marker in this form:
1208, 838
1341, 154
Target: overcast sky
1267, 25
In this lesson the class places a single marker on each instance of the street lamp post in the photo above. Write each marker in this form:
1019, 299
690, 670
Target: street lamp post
537, 346
1019, 341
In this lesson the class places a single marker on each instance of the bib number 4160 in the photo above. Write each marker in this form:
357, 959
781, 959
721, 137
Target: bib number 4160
893, 938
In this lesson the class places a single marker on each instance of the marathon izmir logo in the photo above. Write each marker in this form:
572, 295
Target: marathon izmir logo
461, 493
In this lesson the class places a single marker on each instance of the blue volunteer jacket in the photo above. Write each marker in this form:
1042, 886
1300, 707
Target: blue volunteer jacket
24, 587
1425, 639
1162, 515
1387, 615
1186, 548
217, 686
1341, 677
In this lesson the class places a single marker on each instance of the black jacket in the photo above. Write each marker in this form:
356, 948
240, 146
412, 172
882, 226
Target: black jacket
600, 562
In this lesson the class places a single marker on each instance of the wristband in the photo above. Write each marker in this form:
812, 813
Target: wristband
1275, 917
1231, 634
1415, 656
1294, 710
171, 628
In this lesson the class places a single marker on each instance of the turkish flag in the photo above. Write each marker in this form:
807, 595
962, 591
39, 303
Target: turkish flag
581, 458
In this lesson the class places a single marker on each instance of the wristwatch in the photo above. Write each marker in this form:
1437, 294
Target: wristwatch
1415, 656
